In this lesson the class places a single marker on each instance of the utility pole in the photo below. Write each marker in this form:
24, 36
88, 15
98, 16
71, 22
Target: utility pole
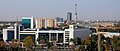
99, 37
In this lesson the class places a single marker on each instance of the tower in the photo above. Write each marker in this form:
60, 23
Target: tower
76, 19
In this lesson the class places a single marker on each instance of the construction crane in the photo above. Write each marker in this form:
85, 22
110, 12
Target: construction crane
102, 32
99, 38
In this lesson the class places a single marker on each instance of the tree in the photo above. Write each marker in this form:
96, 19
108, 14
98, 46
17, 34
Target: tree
54, 47
115, 43
77, 41
14, 43
54, 41
28, 42
42, 41
90, 44
14, 46
107, 47
2, 43
72, 45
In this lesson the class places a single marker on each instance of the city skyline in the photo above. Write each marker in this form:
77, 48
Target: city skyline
87, 9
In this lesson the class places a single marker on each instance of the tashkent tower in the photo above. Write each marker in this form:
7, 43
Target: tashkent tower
76, 19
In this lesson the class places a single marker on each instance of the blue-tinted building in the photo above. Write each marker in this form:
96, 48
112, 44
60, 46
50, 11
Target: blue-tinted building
59, 19
11, 33
52, 35
8, 34
69, 16
28, 22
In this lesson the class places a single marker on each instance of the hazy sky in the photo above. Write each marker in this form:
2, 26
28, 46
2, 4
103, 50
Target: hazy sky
87, 9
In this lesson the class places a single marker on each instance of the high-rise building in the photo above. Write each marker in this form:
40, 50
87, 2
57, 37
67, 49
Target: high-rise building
69, 16
44, 22
28, 22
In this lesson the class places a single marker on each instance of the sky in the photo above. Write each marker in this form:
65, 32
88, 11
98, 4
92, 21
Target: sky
86, 9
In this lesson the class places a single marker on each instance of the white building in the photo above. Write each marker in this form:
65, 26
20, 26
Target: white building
8, 34
60, 35
69, 33
11, 33
108, 34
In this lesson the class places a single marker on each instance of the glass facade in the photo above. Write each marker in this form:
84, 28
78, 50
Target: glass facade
21, 28
10, 35
59, 19
17, 30
26, 23
44, 35
60, 37
53, 36
23, 36
69, 16
43, 22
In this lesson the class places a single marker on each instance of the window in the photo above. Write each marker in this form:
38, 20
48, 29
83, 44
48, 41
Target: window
26, 23
10, 35
23, 36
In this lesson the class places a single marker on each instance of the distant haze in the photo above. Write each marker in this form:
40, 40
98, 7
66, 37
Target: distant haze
87, 9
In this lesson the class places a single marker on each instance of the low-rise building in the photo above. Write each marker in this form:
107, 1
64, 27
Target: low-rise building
59, 35
108, 34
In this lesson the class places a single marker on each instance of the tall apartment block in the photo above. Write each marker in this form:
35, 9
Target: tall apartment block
44, 22
69, 16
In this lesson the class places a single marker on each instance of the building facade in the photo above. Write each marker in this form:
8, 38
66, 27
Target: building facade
59, 35
28, 22
24, 34
8, 34
44, 23
20, 33
69, 16
51, 35
59, 19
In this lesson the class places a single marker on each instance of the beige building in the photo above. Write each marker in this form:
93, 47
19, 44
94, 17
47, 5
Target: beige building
45, 22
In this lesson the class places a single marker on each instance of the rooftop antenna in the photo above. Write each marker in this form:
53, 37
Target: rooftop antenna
76, 13
16, 20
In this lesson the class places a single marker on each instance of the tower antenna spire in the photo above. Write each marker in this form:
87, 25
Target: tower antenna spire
76, 19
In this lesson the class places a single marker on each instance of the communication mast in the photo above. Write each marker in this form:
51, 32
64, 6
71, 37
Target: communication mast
76, 19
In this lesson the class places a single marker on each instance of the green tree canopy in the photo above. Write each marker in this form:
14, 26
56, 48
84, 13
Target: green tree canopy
28, 42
